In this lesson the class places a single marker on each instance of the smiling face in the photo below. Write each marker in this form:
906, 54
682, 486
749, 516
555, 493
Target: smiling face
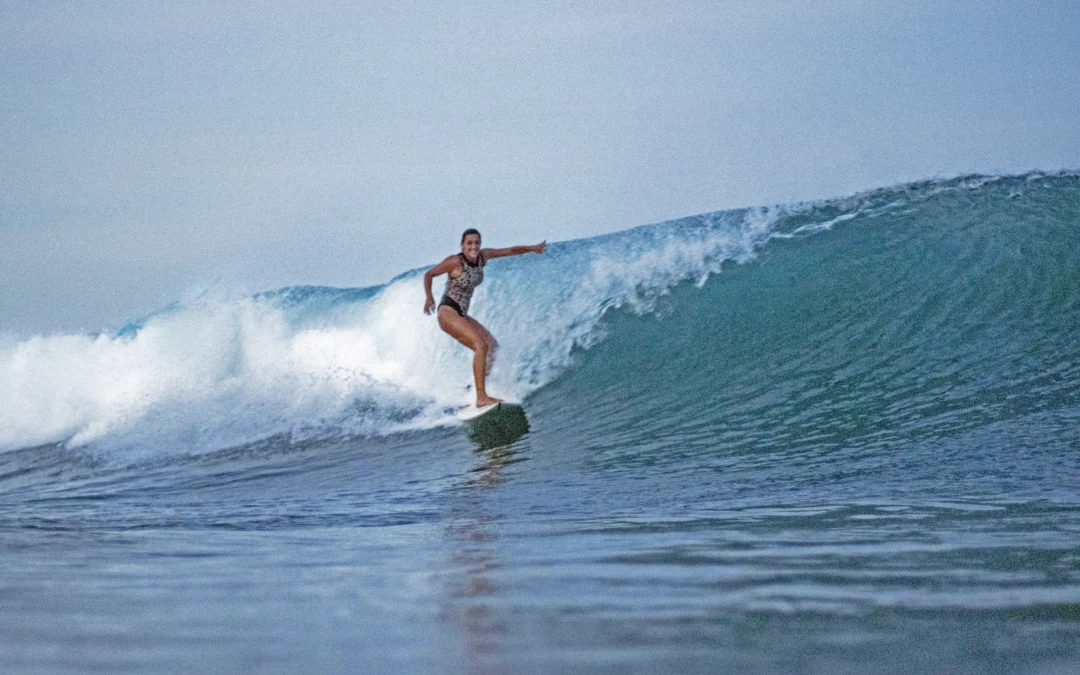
470, 246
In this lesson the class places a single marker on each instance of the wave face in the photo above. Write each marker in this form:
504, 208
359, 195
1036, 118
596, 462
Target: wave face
902, 314
912, 322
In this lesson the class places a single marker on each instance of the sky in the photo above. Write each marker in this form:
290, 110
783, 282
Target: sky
149, 151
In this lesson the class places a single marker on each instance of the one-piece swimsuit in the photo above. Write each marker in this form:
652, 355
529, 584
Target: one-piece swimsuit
459, 289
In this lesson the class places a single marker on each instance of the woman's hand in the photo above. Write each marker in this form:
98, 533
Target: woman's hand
539, 248
429, 305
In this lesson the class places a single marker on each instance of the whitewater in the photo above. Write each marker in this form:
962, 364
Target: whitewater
826, 437
219, 371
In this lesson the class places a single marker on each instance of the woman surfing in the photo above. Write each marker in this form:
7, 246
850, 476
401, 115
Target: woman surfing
466, 271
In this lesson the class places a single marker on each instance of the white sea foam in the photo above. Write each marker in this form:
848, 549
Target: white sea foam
221, 371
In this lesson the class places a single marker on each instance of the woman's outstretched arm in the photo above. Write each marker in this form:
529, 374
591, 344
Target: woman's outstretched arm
491, 253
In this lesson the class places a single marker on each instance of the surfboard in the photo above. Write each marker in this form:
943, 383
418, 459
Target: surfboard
494, 425
472, 412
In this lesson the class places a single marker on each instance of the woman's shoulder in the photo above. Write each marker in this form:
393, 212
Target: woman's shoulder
454, 264
450, 263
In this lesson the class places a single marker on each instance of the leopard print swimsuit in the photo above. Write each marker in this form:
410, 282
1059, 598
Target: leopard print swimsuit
459, 289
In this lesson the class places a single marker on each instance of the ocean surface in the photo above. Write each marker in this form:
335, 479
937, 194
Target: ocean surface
829, 437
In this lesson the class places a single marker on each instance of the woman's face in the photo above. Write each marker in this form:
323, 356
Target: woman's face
471, 246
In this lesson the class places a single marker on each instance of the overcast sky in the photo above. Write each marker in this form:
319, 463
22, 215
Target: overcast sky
149, 150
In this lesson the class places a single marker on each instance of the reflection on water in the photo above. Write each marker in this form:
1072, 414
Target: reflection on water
472, 593
490, 471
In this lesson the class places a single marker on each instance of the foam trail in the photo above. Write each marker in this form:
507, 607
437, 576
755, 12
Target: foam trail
220, 371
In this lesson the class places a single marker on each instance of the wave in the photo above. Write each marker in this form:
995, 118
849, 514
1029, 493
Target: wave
934, 303
901, 318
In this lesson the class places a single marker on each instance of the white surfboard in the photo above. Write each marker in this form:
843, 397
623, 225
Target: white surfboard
471, 412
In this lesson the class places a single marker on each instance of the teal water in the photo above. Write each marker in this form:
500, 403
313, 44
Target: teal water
839, 437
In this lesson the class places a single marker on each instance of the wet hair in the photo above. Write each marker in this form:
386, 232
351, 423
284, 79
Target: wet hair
471, 230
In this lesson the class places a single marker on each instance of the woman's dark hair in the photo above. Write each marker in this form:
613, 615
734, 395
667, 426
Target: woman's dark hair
471, 230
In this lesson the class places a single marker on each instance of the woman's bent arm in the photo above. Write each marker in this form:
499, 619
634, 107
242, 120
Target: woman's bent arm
442, 268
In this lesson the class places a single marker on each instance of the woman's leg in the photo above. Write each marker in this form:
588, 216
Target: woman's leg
489, 339
470, 333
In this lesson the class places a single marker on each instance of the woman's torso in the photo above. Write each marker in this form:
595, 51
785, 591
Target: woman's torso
460, 288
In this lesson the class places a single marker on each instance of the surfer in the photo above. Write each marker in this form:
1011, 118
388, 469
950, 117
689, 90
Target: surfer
466, 271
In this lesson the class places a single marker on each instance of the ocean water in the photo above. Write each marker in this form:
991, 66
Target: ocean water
832, 437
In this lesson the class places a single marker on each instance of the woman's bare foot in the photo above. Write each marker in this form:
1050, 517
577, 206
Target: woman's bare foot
485, 400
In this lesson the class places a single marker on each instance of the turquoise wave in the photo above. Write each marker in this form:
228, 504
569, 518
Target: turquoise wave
927, 317
897, 315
